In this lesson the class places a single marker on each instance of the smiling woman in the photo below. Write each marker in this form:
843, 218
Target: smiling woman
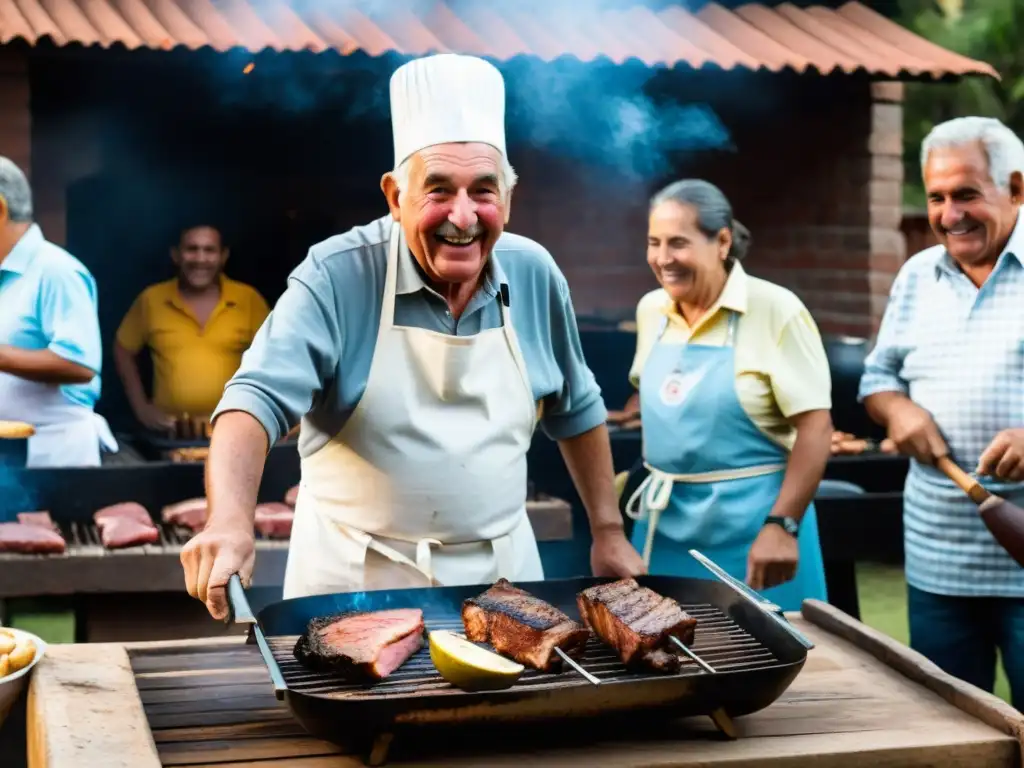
735, 395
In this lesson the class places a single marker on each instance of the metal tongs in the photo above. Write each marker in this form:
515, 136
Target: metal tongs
770, 609
239, 612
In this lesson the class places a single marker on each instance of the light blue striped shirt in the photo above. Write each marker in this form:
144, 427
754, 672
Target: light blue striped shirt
313, 352
957, 351
48, 300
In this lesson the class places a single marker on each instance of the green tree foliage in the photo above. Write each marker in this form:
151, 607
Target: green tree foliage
987, 30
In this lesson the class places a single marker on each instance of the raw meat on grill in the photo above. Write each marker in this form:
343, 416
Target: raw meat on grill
190, 513
524, 627
638, 623
129, 509
363, 645
125, 525
291, 496
42, 519
274, 519
30, 539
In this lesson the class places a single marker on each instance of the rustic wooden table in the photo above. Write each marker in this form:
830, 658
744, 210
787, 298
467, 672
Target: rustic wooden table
861, 700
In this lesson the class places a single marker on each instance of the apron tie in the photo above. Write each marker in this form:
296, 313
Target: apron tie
424, 557
651, 498
649, 501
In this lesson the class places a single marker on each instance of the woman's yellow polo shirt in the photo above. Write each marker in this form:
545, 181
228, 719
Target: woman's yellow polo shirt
192, 363
781, 365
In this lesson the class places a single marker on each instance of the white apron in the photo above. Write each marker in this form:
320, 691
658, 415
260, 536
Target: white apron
426, 482
67, 434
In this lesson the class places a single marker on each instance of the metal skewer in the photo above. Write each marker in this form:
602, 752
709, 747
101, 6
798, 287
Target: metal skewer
691, 654
767, 607
577, 667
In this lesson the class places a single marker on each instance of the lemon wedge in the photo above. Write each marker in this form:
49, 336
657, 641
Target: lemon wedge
470, 667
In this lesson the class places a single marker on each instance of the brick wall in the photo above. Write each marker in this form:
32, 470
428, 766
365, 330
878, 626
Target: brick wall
817, 178
15, 110
819, 185
917, 231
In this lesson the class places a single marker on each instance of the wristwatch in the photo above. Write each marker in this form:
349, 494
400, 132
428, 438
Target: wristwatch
789, 525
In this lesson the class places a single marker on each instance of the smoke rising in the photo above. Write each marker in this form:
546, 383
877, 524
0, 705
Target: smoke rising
601, 114
608, 116
15, 496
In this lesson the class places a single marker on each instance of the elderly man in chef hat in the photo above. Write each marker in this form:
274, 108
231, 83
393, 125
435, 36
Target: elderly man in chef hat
420, 351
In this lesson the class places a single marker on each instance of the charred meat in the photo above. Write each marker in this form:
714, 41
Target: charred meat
30, 539
523, 627
367, 646
638, 623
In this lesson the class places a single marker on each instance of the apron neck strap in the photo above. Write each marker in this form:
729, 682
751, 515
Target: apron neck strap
396, 247
730, 333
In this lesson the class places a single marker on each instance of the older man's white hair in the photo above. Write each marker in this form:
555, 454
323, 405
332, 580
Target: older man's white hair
506, 179
1003, 147
15, 189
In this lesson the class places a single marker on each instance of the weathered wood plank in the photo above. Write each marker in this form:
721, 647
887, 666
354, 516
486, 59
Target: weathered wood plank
977, 703
847, 709
84, 711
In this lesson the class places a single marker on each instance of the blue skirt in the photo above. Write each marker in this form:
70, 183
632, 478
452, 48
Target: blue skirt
670, 557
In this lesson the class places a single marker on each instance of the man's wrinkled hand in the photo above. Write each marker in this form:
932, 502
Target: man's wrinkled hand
210, 558
915, 433
1004, 457
773, 558
612, 555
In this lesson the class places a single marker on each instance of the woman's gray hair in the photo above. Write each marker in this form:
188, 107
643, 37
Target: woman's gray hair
15, 189
714, 213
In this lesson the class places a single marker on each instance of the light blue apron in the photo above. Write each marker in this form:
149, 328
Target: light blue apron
714, 474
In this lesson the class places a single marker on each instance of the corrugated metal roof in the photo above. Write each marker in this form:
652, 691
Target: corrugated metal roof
753, 36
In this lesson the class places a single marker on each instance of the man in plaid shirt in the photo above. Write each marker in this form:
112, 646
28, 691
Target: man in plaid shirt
946, 377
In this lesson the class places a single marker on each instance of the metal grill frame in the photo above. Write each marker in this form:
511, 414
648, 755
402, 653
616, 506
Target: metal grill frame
337, 714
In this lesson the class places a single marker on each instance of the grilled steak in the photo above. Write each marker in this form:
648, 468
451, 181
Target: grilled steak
519, 625
291, 496
637, 622
362, 645
190, 513
125, 525
30, 539
38, 518
274, 520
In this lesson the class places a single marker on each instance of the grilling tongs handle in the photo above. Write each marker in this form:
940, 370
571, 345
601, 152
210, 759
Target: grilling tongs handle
769, 608
239, 612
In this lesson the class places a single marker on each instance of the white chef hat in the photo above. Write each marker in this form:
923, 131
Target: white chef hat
446, 98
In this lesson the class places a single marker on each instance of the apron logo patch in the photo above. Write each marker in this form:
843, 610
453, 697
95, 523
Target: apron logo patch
677, 387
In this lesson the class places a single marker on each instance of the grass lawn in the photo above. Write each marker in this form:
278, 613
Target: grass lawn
883, 605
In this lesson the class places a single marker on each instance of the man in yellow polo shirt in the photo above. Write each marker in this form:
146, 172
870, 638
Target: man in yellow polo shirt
196, 327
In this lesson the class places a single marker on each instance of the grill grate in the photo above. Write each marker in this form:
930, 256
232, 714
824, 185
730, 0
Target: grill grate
83, 539
719, 641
